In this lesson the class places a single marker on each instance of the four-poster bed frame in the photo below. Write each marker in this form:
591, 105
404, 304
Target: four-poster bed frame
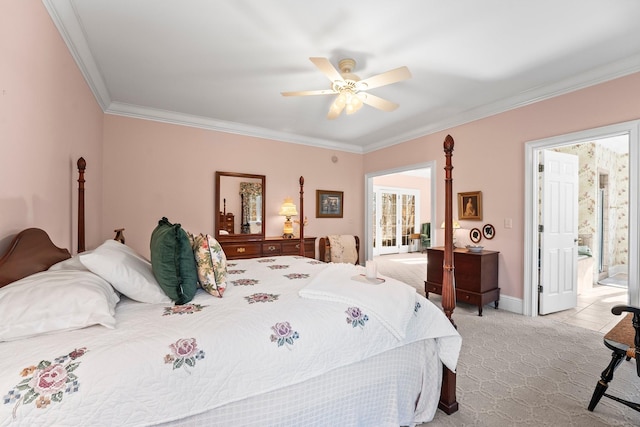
447, 402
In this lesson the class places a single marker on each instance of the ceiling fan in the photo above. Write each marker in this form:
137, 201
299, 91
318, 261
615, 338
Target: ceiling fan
350, 89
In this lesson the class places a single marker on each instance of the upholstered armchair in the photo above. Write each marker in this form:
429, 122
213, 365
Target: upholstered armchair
425, 236
339, 248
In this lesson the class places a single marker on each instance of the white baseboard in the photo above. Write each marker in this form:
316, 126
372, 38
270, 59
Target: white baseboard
511, 304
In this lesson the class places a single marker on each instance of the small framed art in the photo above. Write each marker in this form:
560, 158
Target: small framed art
470, 205
475, 235
488, 231
329, 204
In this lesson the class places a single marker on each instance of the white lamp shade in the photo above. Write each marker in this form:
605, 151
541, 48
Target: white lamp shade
288, 209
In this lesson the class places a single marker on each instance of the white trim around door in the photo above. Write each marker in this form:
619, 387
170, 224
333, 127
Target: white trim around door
532, 150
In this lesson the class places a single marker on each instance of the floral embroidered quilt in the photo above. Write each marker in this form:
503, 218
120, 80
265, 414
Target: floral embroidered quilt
164, 362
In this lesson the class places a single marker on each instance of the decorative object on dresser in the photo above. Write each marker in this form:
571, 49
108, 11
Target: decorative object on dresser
470, 205
329, 204
455, 225
287, 210
476, 276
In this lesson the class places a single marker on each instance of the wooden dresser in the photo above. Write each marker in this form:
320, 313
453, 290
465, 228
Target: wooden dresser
227, 222
269, 246
476, 276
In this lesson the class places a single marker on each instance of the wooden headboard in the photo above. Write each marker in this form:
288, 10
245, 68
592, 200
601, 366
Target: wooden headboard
32, 251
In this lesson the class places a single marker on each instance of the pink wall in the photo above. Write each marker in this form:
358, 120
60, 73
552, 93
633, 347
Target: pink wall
155, 169
48, 118
489, 156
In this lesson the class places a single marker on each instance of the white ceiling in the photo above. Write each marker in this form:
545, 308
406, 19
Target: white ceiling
222, 64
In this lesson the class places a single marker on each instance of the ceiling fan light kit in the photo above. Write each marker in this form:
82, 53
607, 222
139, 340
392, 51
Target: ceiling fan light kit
350, 90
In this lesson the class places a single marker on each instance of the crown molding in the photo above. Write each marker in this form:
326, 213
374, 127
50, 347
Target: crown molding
135, 111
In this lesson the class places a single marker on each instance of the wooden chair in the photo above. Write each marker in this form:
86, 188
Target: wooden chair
624, 341
324, 250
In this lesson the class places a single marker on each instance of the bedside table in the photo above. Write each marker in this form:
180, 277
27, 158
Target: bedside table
476, 276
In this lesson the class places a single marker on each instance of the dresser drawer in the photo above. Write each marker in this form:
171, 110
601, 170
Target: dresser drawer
291, 248
242, 250
271, 249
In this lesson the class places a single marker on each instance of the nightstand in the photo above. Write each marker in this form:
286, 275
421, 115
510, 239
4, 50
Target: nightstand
476, 276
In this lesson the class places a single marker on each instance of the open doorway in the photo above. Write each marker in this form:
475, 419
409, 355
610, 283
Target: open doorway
611, 247
428, 200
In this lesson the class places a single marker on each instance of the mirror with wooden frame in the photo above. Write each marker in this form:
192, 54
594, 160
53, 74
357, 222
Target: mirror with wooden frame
240, 206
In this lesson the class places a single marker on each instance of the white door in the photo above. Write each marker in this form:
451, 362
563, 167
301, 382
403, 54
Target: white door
395, 216
559, 234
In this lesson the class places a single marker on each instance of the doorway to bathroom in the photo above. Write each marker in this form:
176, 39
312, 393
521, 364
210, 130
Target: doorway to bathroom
606, 244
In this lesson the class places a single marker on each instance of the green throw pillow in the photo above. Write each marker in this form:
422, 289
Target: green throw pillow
172, 262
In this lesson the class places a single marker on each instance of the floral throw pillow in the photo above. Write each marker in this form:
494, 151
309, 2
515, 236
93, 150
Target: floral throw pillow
211, 264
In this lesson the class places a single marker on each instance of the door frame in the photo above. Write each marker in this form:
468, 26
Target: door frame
368, 191
532, 148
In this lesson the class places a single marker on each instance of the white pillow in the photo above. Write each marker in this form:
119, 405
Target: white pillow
127, 271
72, 263
53, 301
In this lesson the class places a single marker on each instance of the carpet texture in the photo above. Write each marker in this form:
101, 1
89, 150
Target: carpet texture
409, 268
522, 371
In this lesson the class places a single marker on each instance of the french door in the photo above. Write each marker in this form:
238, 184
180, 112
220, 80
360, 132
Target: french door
395, 219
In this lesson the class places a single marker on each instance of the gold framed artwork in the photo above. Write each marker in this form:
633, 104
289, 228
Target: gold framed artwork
329, 204
470, 205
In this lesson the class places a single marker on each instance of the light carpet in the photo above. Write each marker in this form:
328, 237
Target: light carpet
410, 268
521, 371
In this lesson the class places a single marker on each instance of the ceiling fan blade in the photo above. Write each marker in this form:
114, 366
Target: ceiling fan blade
327, 69
310, 92
386, 78
377, 102
333, 114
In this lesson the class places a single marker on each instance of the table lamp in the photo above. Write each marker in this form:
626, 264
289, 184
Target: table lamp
287, 210
455, 225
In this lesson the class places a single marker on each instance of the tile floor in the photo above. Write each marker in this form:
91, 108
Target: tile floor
594, 308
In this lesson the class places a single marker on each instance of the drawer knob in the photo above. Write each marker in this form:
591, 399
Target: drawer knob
271, 248
240, 250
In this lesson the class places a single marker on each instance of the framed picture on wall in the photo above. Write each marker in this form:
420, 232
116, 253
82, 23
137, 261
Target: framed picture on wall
329, 204
470, 205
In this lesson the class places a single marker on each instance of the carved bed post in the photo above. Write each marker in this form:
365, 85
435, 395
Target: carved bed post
301, 216
82, 164
448, 280
448, 402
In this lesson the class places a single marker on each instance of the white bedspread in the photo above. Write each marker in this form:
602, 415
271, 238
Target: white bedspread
391, 302
163, 363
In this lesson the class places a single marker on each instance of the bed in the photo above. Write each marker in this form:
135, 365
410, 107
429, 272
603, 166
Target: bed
293, 341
